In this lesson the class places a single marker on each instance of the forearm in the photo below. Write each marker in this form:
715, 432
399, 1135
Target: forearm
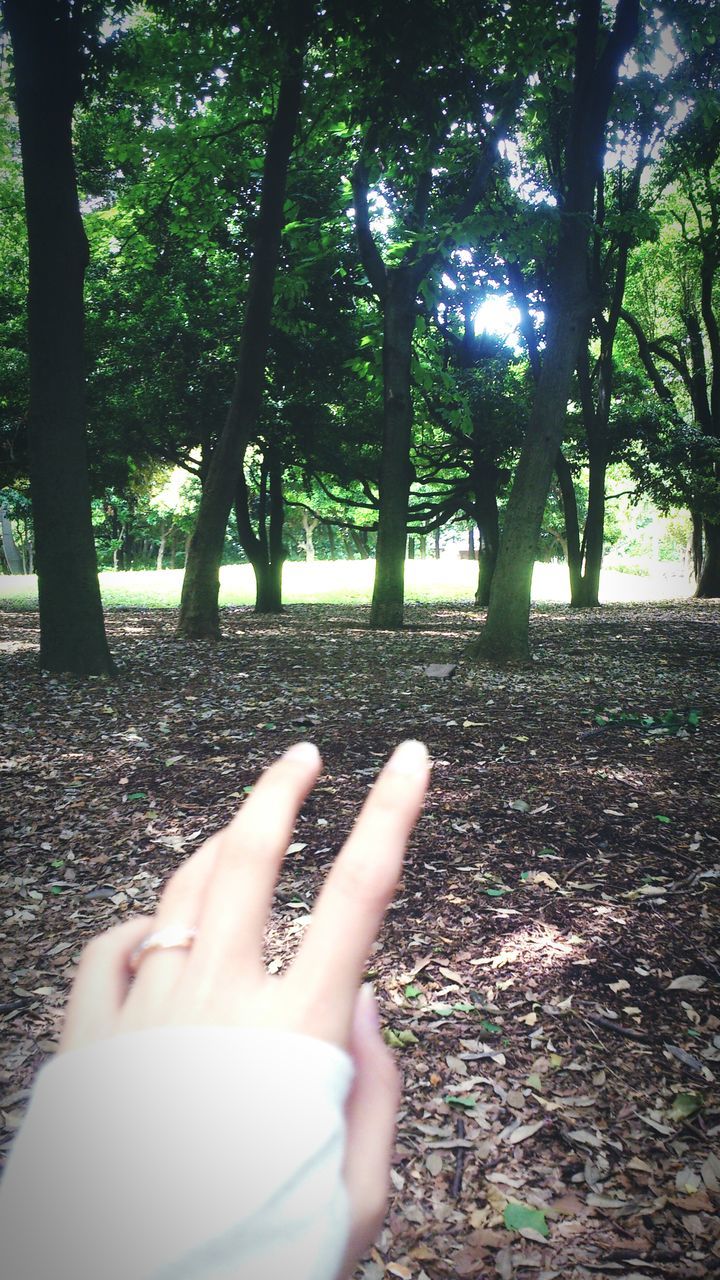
181, 1154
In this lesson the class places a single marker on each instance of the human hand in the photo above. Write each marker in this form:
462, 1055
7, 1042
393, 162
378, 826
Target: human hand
224, 892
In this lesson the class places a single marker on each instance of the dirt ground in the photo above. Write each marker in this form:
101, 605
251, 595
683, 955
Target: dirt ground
548, 972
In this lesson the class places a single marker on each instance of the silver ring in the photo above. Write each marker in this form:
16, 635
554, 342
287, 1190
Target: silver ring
170, 938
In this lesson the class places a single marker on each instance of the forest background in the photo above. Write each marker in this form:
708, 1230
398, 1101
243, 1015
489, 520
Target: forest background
358, 277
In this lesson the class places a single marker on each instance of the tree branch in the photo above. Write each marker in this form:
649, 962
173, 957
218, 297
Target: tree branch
373, 264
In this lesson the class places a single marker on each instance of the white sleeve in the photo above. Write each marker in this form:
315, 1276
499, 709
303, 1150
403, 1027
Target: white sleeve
183, 1153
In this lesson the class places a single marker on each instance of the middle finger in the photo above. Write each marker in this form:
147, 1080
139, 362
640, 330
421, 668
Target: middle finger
234, 913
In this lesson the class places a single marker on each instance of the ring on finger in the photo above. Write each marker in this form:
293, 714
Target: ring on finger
171, 938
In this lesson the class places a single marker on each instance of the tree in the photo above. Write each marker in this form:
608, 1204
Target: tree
673, 311
437, 108
598, 57
49, 42
199, 603
474, 395
265, 548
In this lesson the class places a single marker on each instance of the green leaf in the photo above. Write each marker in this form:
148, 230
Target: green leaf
661, 817
685, 1104
407, 1037
466, 1102
411, 991
391, 1038
138, 795
399, 1039
491, 1027
496, 893
519, 1216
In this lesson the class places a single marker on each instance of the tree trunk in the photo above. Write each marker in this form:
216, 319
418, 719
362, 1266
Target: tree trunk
46, 54
264, 550
598, 57
268, 586
309, 525
199, 617
594, 530
360, 542
11, 551
422, 546
411, 548
161, 548
505, 637
486, 517
332, 545
708, 587
436, 543
471, 543
386, 610
696, 544
572, 526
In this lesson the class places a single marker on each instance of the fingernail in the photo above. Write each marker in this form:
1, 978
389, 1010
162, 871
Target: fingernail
410, 758
303, 753
367, 1010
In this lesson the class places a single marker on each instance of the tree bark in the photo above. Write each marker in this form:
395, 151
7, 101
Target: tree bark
46, 38
696, 544
309, 525
264, 550
505, 636
161, 548
594, 541
386, 610
360, 542
12, 553
199, 616
569, 305
485, 510
572, 525
708, 587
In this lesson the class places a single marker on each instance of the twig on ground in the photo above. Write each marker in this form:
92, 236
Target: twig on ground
643, 1037
459, 1161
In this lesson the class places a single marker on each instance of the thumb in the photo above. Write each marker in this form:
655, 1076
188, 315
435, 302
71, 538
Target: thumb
370, 1116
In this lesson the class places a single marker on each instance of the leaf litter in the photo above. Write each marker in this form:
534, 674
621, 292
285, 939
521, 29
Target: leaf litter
548, 971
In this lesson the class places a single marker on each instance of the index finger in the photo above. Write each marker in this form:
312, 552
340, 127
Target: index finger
356, 894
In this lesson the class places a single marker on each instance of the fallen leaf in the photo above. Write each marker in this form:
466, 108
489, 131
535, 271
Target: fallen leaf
520, 1217
687, 982
525, 1131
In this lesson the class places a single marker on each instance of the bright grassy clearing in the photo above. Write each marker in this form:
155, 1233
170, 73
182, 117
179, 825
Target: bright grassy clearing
350, 582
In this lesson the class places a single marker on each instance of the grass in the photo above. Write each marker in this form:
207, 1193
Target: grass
350, 582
